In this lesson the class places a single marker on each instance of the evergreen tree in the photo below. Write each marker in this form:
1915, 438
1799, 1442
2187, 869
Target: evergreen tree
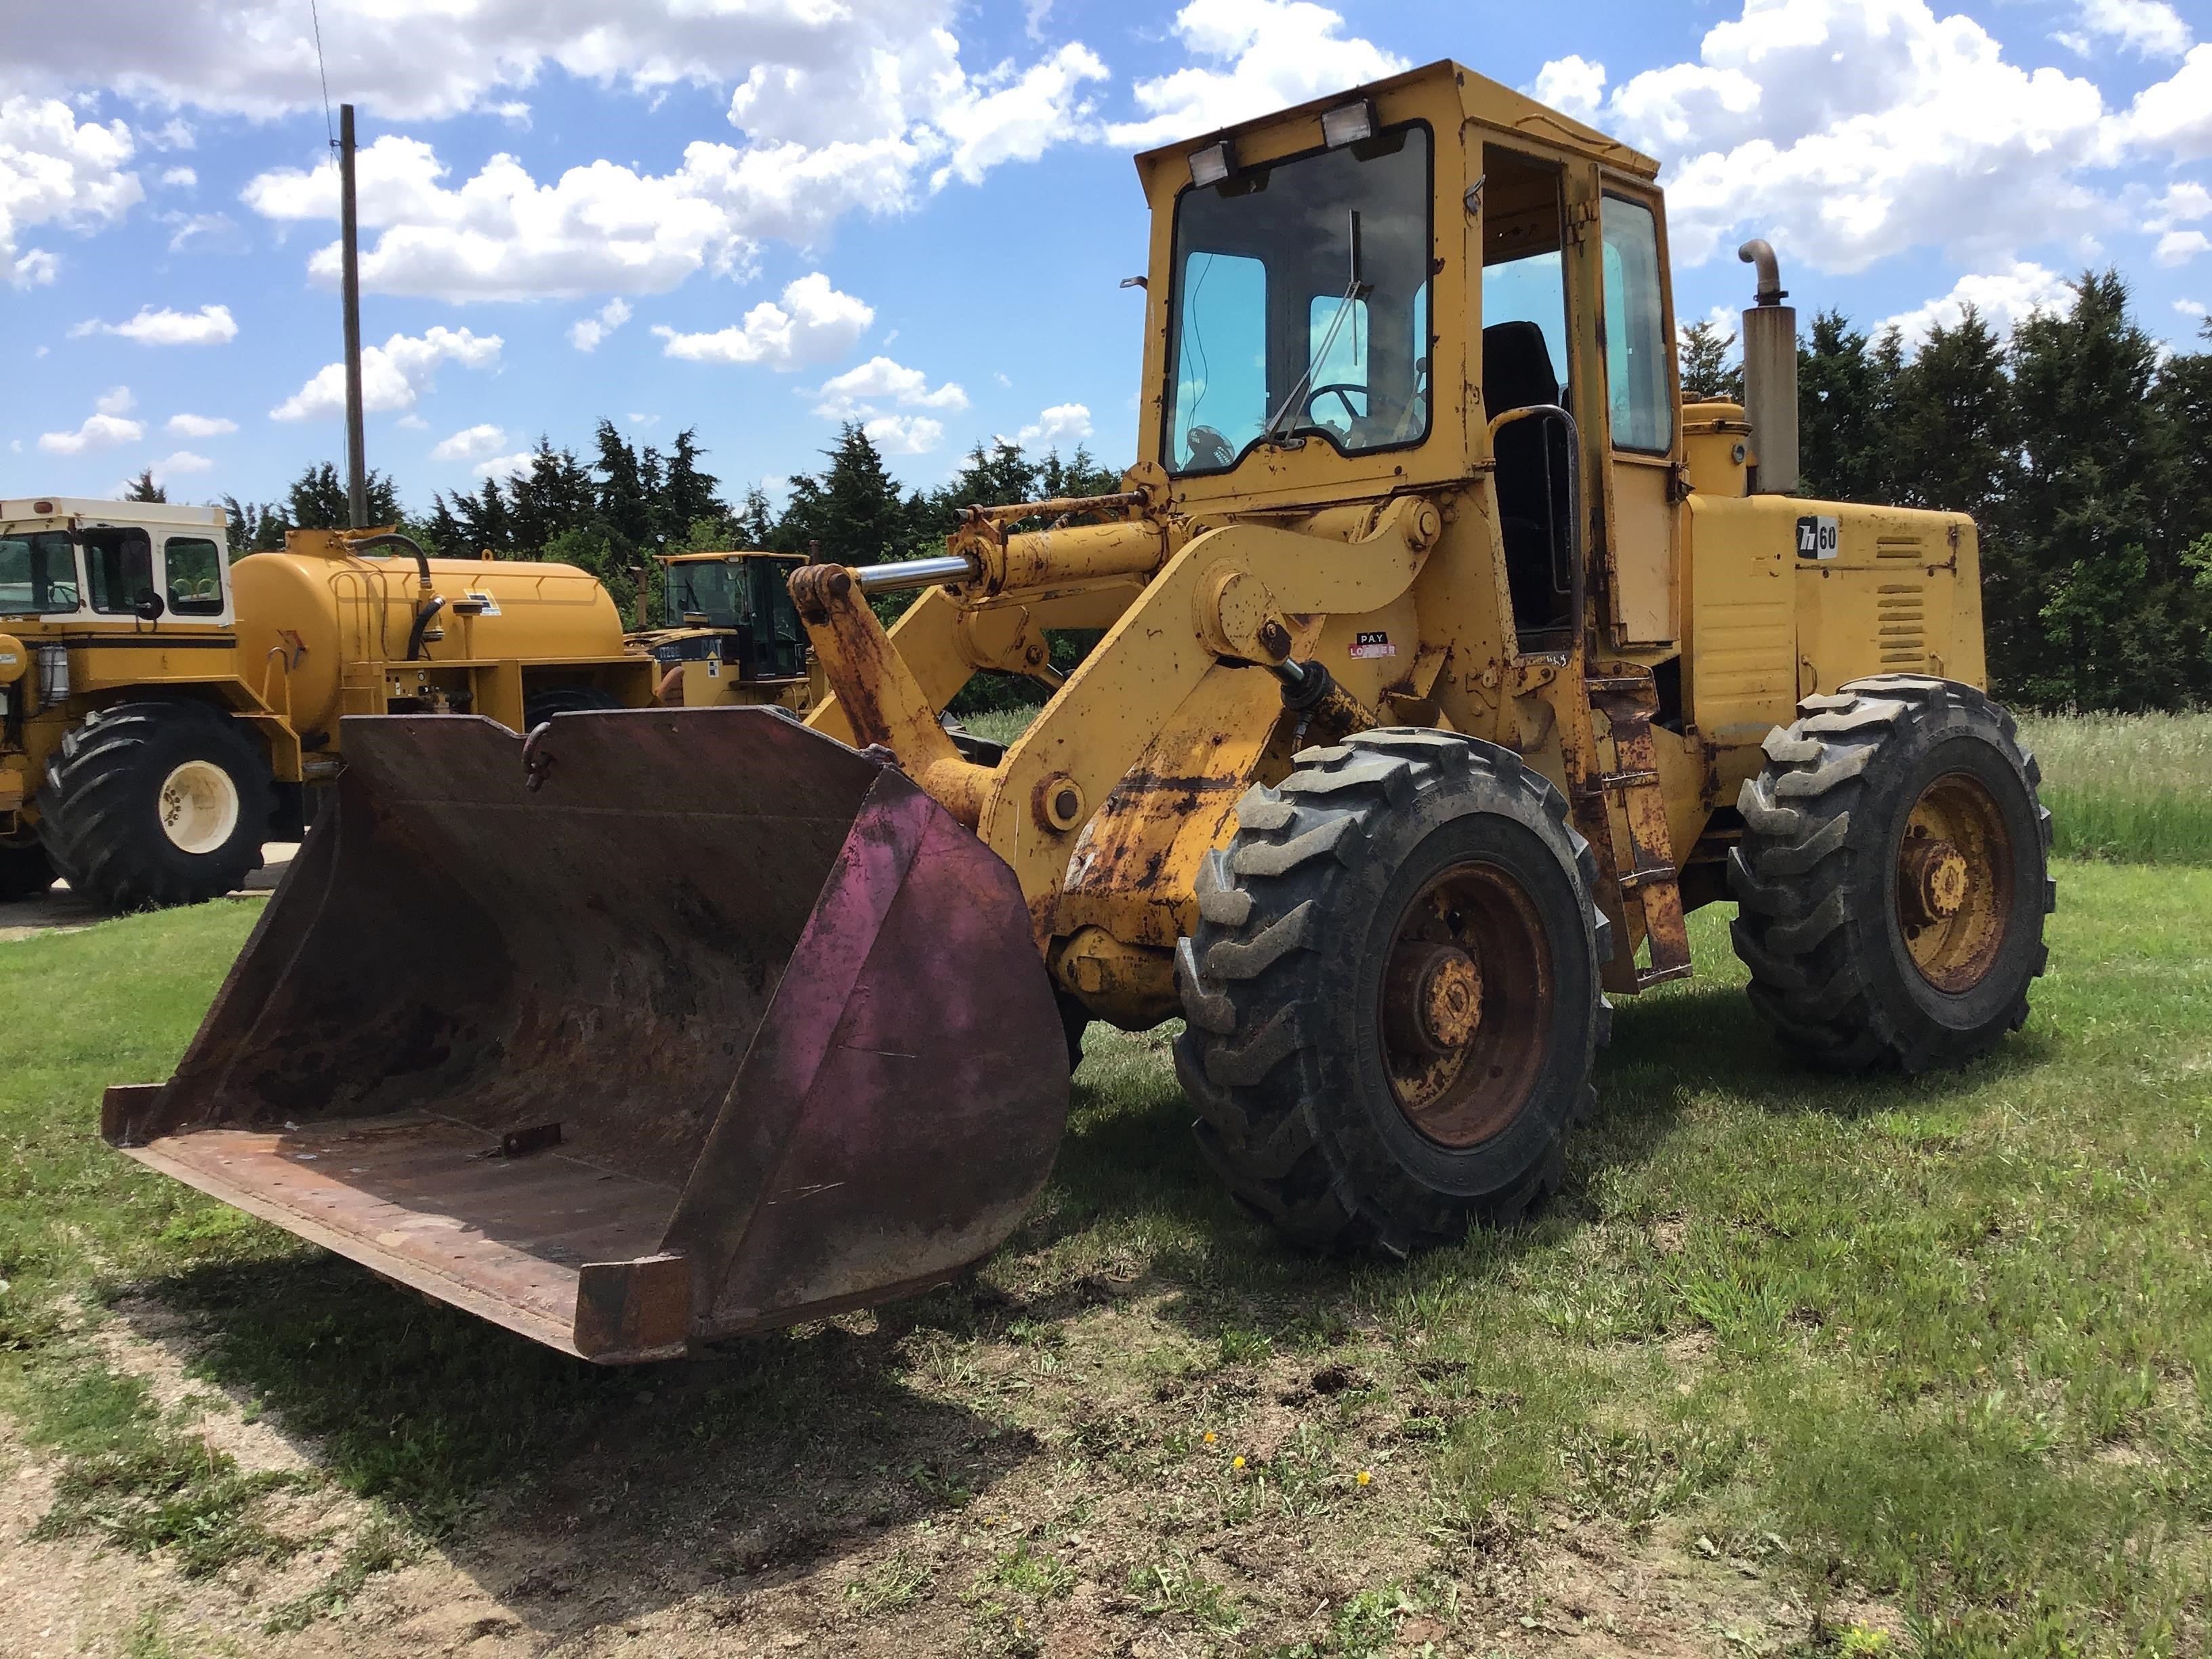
143, 489
316, 500
2099, 603
1953, 424
755, 523
1844, 397
623, 508
686, 493
853, 508
250, 527
1706, 375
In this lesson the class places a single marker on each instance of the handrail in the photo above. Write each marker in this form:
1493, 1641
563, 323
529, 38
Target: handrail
1580, 585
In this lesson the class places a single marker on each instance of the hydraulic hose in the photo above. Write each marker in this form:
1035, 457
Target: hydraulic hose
421, 623
393, 537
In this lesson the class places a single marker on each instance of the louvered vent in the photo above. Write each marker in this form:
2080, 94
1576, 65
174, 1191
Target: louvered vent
1901, 620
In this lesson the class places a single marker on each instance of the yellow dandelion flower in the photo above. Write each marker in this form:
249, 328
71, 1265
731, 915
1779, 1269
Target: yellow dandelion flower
1209, 1437
1237, 1462
1364, 1477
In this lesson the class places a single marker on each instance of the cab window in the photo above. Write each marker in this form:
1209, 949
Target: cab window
193, 568
1636, 360
38, 574
119, 569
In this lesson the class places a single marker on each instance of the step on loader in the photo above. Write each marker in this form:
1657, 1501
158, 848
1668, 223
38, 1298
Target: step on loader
1448, 660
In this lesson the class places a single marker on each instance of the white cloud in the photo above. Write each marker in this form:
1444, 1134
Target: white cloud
2149, 26
195, 230
200, 426
2178, 247
2196, 308
392, 375
2181, 203
1004, 116
183, 461
33, 269
1849, 130
2176, 114
506, 466
1274, 53
102, 430
176, 134
2001, 299
862, 393
1063, 423
905, 435
180, 179
1572, 85
469, 443
856, 106
208, 325
54, 171
813, 324
586, 332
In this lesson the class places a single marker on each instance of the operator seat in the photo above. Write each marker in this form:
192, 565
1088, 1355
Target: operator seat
1534, 512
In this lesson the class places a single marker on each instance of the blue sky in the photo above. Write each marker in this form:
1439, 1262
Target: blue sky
765, 215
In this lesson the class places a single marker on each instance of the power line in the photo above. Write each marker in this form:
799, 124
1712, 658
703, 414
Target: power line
315, 12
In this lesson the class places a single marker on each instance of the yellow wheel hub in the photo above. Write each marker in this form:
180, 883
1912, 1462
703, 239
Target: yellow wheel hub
1955, 882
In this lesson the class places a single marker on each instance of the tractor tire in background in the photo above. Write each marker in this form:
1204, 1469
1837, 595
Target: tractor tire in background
1392, 997
540, 707
1893, 876
149, 804
26, 872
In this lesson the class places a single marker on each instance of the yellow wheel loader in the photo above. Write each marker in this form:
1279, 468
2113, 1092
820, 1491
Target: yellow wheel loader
728, 632
164, 712
1448, 660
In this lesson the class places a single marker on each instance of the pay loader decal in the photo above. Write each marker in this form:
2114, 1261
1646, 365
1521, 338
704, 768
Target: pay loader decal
1374, 644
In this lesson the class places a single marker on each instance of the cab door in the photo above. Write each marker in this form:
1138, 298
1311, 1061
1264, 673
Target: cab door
1643, 420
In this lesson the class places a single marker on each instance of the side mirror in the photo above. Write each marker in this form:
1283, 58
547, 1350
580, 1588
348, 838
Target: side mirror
150, 606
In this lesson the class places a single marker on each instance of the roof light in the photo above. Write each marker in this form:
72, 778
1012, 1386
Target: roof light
1348, 125
1212, 164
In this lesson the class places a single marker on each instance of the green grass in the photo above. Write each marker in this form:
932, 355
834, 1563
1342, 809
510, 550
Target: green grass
2136, 787
1942, 1344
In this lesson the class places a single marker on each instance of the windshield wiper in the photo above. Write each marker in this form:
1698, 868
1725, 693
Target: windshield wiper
1355, 289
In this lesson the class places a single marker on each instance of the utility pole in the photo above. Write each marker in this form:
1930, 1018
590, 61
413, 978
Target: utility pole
356, 442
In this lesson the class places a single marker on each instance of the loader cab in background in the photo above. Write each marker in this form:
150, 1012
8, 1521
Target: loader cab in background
726, 629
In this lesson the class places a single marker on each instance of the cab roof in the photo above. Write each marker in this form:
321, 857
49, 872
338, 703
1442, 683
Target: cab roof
1480, 98
178, 515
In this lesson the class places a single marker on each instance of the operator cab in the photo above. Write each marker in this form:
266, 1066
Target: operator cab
736, 606
111, 562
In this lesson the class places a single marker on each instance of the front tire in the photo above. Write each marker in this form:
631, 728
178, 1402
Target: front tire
1393, 994
1893, 876
540, 707
150, 805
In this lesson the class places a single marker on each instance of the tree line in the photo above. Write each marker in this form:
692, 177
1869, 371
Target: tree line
2084, 455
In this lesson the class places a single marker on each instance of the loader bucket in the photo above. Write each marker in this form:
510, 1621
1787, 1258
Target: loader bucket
703, 1025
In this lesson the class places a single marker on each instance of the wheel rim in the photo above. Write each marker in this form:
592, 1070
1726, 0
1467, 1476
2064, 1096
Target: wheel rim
198, 806
1466, 1004
1954, 882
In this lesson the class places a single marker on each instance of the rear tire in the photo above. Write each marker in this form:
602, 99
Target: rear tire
540, 707
1893, 876
26, 872
1343, 1107
149, 804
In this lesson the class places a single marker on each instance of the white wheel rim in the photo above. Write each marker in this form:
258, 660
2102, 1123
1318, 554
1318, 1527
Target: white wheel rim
198, 808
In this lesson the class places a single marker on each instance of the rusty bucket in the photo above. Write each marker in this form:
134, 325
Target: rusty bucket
659, 1026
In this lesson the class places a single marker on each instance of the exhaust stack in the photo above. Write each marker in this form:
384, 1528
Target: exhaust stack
1770, 376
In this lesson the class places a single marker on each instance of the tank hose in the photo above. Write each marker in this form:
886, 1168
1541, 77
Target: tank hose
422, 623
392, 536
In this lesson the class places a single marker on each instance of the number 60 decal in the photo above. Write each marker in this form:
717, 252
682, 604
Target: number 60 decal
1818, 538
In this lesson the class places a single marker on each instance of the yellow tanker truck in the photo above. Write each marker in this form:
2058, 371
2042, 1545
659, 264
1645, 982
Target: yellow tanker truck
163, 712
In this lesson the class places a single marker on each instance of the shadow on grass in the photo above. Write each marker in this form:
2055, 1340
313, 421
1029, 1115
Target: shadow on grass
562, 1484
582, 1495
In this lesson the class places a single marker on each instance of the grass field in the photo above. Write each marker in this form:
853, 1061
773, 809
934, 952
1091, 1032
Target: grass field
2127, 786
1795, 1365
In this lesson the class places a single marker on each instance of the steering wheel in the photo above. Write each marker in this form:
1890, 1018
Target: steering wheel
1208, 448
1342, 391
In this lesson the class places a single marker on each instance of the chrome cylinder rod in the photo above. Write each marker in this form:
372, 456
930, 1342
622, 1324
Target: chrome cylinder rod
904, 573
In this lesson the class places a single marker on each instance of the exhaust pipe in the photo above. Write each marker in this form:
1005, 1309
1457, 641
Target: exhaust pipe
1770, 376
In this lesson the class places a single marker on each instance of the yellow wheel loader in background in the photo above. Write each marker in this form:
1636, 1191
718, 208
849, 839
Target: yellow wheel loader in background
728, 632
1448, 660
164, 712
